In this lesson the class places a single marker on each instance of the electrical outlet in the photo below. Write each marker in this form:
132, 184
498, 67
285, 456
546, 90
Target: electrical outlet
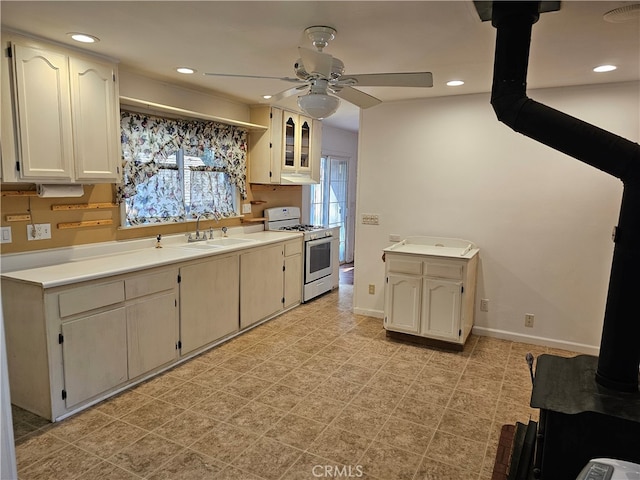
39, 231
370, 219
528, 320
372, 289
394, 238
484, 305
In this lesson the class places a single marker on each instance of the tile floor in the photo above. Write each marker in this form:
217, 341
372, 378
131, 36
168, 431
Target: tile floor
316, 393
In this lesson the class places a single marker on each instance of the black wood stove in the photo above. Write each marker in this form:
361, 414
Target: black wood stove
589, 406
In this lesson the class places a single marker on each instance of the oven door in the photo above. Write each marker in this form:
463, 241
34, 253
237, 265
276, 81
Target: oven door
318, 260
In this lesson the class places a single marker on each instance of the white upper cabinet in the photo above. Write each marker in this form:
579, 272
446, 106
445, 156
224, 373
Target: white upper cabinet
63, 115
96, 120
288, 153
42, 114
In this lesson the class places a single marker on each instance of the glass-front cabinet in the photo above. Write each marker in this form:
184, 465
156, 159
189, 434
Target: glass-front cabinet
287, 153
297, 143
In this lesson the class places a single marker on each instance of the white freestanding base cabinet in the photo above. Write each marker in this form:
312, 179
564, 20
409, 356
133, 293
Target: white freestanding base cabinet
430, 290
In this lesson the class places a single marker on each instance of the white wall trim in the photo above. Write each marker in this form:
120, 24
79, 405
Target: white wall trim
531, 339
368, 313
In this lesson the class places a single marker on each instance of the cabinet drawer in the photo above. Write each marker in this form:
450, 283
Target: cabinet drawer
148, 284
403, 265
84, 299
292, 248
443, 270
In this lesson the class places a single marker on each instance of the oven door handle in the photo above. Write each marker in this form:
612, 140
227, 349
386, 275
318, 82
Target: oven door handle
318, 241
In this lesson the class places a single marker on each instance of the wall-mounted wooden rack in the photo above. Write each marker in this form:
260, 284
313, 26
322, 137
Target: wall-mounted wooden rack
19, 193
84, 206
85, 224
257, 202
18, 218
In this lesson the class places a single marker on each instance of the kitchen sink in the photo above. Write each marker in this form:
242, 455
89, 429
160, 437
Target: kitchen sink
228, 241
216, 243
200, 246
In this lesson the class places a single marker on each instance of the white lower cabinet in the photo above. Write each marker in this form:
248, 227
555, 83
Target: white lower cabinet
270, 281
402, 303
72, 345
261, 283
440, 315
430, 297
209, 301
94, 352
292, 273
152, 320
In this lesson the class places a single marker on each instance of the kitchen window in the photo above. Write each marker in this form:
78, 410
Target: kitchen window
176, 170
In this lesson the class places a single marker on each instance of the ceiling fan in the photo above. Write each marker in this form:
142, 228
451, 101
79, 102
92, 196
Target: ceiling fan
322, 77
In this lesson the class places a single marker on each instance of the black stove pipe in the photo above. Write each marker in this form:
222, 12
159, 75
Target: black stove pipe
619, 357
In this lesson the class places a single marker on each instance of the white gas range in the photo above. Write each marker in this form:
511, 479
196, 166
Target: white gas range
320, 249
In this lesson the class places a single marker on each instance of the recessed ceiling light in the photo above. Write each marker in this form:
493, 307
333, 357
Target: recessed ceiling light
455, 83
83, 37
605, 68
266, 97
185, 70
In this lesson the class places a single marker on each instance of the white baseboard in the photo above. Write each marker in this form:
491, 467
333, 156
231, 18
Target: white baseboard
543, 341
368, 313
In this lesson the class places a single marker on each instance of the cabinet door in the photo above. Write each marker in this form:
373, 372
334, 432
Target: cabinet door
441, 309
209, 298
96, 120
94, 353
402, 303
261, 284
305, 144
290, 141
43, 111
152, 330
292, 280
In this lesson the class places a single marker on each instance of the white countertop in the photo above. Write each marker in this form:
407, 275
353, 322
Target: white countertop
435, 246
140, 255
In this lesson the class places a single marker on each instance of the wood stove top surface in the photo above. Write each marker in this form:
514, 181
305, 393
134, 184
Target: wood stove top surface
568, 385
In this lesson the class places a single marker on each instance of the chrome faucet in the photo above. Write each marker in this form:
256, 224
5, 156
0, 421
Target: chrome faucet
197, 238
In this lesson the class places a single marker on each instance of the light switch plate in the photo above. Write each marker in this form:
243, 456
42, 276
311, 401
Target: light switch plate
5, 233
370, 219
246, 208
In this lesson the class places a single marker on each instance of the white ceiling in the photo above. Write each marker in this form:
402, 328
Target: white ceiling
261, 38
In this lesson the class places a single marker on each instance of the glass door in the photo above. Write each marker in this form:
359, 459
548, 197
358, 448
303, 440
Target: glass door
329, 198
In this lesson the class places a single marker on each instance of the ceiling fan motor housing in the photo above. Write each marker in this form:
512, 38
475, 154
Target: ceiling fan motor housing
337, 69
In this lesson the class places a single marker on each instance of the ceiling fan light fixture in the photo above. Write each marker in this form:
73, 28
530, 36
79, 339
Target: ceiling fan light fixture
318, 105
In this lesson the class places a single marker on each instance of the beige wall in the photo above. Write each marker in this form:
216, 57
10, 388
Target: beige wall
543, 220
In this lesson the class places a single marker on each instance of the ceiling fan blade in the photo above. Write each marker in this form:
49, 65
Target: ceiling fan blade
358, 98
284, 79
412, 79
287, 93
316, 62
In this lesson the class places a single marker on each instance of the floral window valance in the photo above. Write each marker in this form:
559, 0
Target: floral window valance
148, 140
